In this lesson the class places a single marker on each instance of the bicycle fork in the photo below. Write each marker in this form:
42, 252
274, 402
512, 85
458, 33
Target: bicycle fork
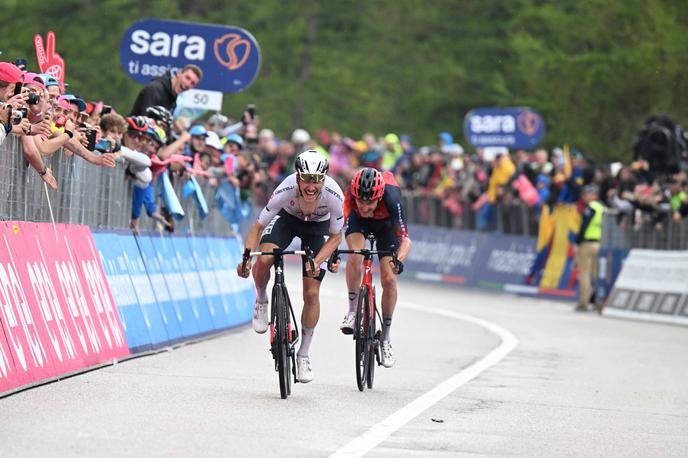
372, 310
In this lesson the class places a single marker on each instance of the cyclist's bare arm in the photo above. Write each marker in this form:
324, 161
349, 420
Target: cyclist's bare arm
254, 236
404, 248
324, 254
250, 245
328, 248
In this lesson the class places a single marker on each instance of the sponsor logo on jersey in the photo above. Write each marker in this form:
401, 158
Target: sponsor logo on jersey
271, 224
335, 193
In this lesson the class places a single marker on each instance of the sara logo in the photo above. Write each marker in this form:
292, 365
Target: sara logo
152, 47
528, 122
227, 46
518, 127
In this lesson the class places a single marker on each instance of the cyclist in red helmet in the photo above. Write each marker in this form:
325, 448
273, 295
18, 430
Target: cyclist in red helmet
372, 205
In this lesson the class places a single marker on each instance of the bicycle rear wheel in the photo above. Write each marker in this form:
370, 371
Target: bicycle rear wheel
360, 336
281, 342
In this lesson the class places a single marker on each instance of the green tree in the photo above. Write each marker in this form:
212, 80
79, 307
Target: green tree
595, 70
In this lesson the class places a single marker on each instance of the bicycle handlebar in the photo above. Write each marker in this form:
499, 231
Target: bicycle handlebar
366, 252
278, 252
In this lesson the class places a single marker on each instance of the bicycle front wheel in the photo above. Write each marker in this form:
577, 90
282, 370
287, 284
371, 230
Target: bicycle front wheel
372, 344
360, 336
281, 341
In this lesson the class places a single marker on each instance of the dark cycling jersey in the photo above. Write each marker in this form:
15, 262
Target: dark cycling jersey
388, 209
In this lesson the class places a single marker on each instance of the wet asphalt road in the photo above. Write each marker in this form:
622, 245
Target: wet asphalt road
573, 385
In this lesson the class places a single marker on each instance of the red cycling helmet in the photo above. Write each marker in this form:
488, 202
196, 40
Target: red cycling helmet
367, 184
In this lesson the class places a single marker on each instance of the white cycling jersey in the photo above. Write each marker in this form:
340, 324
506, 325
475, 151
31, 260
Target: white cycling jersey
330, 204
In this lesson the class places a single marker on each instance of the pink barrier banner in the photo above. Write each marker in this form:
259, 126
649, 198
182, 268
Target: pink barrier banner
37, 280
8, 379
82, 248
78, 305
56, 312
19, 314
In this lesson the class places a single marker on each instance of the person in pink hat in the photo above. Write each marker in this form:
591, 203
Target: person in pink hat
10, 75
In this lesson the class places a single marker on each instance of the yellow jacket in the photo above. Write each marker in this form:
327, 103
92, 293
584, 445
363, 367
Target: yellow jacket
501, 174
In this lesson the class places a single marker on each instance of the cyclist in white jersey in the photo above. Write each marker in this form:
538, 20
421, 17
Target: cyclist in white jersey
310, 205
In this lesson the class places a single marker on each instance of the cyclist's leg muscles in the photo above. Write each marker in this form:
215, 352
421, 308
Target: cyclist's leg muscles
311, 235
311, 302
355, 239
389, 286
261, 271
277, 234
386, 240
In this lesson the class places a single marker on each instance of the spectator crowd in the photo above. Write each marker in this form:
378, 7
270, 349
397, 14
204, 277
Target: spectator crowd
243, 160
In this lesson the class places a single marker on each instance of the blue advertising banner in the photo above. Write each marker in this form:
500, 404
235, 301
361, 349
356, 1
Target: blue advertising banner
229, 56
144, 291
233, 290
117, 272
610, 263
443, 255
230, 258
509, 127
505, 259
203, 312
167, 257
211, 289
171, 314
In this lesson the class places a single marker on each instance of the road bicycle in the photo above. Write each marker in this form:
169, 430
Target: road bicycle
284, 332
366, 328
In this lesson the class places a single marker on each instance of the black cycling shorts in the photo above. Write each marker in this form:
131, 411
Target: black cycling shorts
282, 229
382, 229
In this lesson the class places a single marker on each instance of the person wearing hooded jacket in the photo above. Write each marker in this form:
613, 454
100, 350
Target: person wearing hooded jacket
163, 91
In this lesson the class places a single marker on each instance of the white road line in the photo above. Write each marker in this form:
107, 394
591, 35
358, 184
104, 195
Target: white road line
381, 431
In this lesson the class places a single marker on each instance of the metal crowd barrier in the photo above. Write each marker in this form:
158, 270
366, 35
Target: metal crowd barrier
424, 208
519, 219
664, 234
101, 197
86, 194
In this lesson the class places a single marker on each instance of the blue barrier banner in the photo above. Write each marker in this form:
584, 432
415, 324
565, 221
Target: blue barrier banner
508, 127
144, 290
116, 269
610, 262
172, 273
211, 288
229, 56
245, 284
203, 312
504, 259
246, 289
237, 292
171, 314
442, 255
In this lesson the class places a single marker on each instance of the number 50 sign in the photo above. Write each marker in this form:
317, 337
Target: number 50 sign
199, 98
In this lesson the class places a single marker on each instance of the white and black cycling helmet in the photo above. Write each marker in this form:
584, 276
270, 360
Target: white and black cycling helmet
311, 164
161, 114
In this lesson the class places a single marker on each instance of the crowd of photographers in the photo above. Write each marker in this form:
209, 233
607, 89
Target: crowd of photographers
244, 160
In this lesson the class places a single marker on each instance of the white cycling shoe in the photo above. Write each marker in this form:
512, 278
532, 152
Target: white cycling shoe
304, 373
347, 325
387, 354
260, 317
